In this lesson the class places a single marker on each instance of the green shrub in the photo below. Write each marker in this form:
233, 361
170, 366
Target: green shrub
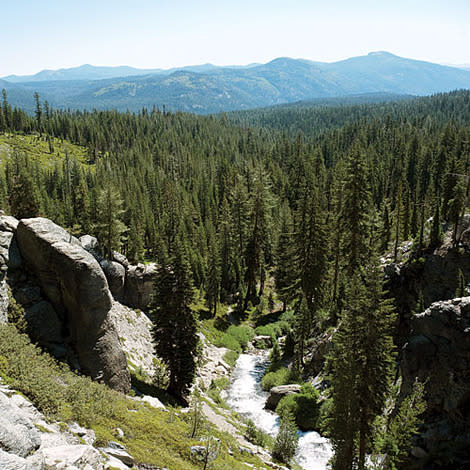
286, 441
230, 357
281, 376
303, 407
229, 342
243, 334
256, 436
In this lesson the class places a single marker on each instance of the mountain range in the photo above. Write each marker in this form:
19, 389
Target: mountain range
208, 88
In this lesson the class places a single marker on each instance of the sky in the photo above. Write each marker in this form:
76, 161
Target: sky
52, 34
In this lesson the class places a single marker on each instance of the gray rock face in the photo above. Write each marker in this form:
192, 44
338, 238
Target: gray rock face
17, 434
438, 351
277, 393
139, 285
116, 276
45, 325
74, 283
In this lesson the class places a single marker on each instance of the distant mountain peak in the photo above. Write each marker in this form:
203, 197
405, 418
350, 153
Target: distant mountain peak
381, 54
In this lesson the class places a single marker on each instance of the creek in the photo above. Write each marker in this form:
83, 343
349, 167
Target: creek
246, 396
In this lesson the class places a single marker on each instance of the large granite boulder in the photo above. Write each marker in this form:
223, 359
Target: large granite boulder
438, 354
279, 392
139, 285
76, 286
116, 275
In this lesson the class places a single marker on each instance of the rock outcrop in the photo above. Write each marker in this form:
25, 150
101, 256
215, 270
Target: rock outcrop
130, 284
74, 283
139, 285
438, 354
10, 258
279, 392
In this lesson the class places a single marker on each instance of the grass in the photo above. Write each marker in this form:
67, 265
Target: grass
151, 436
38, 149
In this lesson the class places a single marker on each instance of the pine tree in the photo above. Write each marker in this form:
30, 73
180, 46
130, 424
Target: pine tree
174, 323
109, 227
285, 273
286, 441
361, 366
22, 198
355, 211
213, 274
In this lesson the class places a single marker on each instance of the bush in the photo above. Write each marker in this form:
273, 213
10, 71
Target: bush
281, 376
303, 407
229, 342
286, 441
243, 334
230, 357
236, 338
256, 436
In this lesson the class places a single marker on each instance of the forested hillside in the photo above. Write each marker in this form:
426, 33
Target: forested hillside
307, 199
210, 89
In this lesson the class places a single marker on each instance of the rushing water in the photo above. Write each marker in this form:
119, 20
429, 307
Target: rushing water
246, 396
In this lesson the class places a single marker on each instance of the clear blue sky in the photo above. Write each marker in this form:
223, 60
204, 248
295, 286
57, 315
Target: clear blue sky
39, 34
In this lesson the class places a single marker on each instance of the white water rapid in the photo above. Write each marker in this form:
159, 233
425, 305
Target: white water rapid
246, 396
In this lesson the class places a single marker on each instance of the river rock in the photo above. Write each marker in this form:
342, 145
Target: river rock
438, 354
139, 285
17, 433
279, 392
76, 286
263, 341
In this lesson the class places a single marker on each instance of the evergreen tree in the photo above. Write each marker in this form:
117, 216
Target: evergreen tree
286, 441
174, 323
355, 211
22, 198
109, 227
285, 273
360, 366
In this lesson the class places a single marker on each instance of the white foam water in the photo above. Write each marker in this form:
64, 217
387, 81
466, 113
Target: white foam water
246, 396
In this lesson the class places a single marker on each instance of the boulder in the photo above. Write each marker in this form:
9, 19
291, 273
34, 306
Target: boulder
45, 325
263, 341
28, 295
121, 259
17, 433
438, 354
13, 462
279, 392
71, 457
116, 276
139, 285
7, 223
76, 286
91, 245
118, 451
